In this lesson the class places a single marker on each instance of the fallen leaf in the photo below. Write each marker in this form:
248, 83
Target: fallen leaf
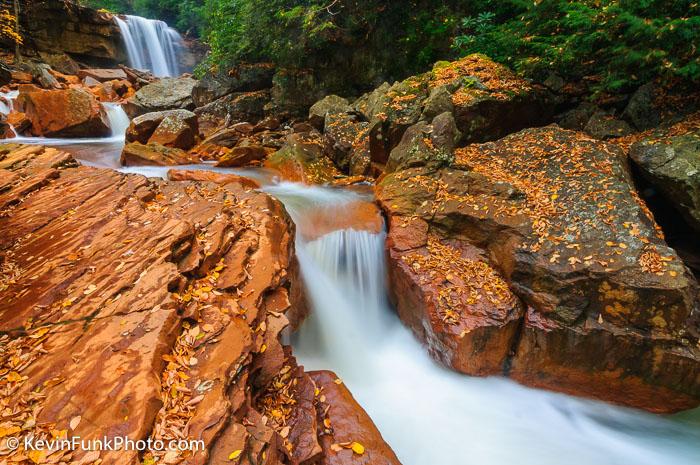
235, 454
75, 421
357, 448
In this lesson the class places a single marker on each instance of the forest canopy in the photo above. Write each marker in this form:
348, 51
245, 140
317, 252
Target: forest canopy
615, 44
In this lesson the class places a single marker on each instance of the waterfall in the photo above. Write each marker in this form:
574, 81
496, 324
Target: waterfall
432, 415
117, 119
151, 45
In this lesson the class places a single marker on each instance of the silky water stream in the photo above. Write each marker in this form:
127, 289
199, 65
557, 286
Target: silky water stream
428, 414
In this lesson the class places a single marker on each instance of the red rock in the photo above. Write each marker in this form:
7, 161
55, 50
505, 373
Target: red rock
21, 77
242, 156
102, 75
137, 154
19, 121
62, 113
545, 220
349, 423
107, 310
210, 176
104, 92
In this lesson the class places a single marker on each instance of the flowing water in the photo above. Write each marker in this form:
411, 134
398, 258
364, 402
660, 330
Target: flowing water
151, 45
428, 414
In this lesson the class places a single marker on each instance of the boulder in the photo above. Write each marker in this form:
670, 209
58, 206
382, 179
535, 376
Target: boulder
236, 107
242, 156
302, 159
487, 100
605, 126
165, 94
349, 424
102, 75
41, 74
178, 129
672, 165
60, 62
62, 113
330, 104
642, 111
142, 127
534, 257
152, 154
19, 121
246, 77
293, 92
347, 142
6, 131
577, 118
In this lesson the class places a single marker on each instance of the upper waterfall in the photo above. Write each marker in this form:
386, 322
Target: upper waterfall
151, 45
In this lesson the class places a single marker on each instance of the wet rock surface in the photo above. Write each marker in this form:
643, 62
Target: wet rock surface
345, 428
537, 248
672, 165
170, 296
62, 113
302, 159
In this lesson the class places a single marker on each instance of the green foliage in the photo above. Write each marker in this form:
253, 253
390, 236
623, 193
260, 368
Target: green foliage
616, 44
186, 16
401, 37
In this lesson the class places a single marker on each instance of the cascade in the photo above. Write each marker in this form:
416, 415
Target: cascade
429, 414
151, 45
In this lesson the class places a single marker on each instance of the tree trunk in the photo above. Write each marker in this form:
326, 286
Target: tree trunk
18, 54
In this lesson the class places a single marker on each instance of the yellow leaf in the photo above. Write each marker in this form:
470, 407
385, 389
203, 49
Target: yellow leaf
8, 431
235, 454
357, 448
36, 456
13, 377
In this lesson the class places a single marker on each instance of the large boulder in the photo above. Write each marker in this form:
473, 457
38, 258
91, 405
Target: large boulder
487, 100
533, 256
246, 77
165, 94
153, 154
642, 110
672, 165
172, 128
330, 104
62, 113
178, 129
236, 107
302, 159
